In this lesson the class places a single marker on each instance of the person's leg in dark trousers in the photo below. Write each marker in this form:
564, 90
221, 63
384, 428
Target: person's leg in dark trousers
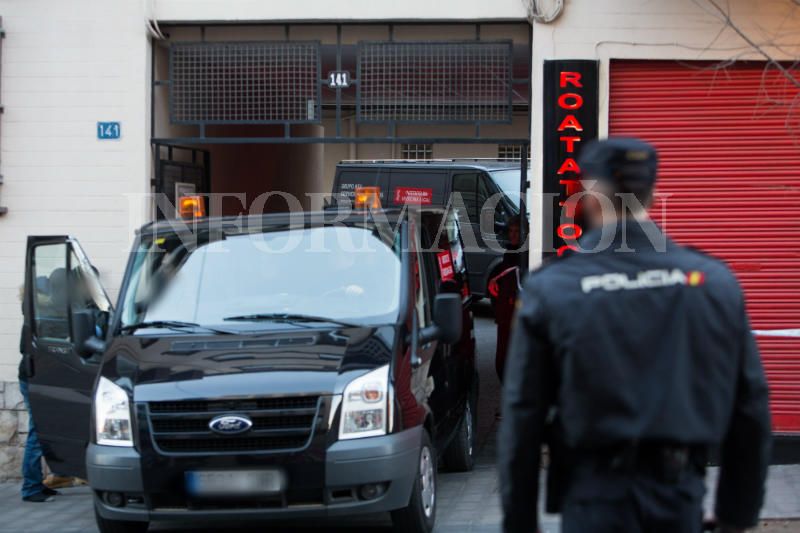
671, 507
601, 516
32, 476
634, 504
600, 502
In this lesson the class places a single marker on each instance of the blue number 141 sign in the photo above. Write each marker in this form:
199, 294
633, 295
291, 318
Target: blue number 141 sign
108, 130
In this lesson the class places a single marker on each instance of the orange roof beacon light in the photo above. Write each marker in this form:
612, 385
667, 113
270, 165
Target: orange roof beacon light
190, 207
367, 198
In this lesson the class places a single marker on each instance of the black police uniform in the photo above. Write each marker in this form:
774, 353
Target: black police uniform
632, 366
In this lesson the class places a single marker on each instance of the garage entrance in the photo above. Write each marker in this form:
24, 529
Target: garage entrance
248, 109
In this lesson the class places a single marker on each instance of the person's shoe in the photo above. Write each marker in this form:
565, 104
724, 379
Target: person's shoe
39, 497
47, 491
58, 482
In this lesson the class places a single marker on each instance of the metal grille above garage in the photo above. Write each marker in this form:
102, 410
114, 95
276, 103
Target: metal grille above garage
729, 148
447, 82
244, 83
376, 83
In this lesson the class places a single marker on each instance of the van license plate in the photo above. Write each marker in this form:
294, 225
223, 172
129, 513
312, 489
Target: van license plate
221, 483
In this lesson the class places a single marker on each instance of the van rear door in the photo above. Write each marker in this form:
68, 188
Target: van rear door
398, 186
348, 179
419, 186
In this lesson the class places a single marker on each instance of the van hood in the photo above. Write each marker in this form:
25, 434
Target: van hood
289, 362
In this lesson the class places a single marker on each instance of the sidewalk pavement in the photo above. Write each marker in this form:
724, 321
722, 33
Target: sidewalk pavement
468, 503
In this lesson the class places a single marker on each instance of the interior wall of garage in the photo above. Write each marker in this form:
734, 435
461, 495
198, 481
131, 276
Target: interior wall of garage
334, 153
252, 170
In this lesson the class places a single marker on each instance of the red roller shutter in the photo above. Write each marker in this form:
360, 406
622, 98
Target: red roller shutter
729, 142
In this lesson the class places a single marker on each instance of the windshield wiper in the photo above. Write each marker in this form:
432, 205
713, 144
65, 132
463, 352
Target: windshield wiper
290, 318
172, 324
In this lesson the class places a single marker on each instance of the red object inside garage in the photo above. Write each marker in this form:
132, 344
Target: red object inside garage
729, 146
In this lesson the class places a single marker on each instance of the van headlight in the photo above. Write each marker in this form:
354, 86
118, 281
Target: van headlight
112, 414
365, 405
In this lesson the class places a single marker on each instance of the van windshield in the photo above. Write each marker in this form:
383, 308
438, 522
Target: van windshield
346, 274
508, 181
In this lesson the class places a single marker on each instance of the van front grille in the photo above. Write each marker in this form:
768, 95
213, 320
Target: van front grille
195, 425
278, 424
232, 444
286, 402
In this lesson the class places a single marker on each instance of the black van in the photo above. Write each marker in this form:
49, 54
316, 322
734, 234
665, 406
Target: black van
275, 366
432, 182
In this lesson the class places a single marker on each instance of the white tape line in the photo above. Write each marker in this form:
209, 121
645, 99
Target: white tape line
777, 332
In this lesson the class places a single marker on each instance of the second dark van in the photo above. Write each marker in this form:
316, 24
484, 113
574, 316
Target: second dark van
432, 183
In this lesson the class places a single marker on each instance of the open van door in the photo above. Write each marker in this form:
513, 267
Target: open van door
64, 305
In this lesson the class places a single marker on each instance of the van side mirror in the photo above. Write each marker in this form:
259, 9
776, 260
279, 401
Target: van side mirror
84, 334
92, 346
447, 320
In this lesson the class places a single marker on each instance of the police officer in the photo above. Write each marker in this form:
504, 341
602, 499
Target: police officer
634, 360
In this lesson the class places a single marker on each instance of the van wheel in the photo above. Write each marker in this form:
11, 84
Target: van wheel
460, 454
420, 514
119, 526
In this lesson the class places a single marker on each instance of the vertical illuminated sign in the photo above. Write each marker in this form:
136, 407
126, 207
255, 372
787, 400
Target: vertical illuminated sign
570, 121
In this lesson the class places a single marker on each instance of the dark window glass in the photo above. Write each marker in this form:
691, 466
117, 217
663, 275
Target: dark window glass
422, 289
50, 295
466, 185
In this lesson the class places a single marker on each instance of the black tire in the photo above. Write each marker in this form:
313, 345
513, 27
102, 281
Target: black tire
420, 514
119, 526
460, 453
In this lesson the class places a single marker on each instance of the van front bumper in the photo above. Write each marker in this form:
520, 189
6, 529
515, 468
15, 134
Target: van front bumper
390, 462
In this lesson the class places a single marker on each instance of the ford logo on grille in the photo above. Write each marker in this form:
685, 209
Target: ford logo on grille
230, 424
